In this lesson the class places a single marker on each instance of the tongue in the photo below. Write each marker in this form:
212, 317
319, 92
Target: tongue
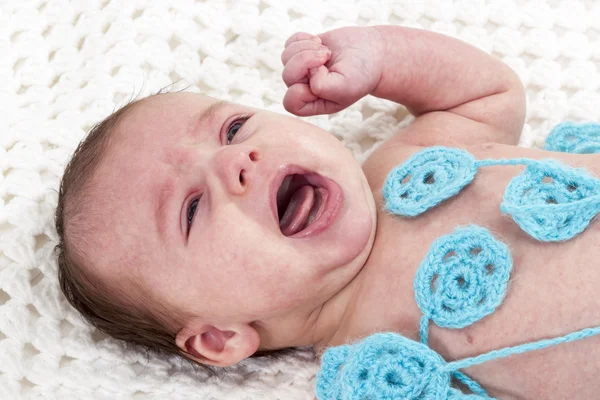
296, 213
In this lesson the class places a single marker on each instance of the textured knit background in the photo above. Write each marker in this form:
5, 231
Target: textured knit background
65, 65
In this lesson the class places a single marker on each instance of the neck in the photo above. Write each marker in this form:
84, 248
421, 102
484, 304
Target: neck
330, 323
363, 306
335, 316
316, 327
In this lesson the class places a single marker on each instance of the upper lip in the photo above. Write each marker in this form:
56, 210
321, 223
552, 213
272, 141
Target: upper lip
281, 174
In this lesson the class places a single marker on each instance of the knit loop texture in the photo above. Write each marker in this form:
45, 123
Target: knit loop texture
463, 277
328, 383
427, 179
552, 202
572, 137
386, 366
382, 366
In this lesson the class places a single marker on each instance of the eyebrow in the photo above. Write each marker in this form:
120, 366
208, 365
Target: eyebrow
160, 213
209, 113
166, 190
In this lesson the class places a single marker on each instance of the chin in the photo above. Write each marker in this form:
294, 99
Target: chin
365, 226
360, 237
355, 235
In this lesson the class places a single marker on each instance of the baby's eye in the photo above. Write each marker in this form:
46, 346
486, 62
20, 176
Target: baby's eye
233, 129
191, 211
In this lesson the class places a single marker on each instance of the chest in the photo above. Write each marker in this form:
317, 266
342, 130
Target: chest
551, 292
402, 242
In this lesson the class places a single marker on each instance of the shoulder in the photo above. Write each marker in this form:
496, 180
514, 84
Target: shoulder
395, 152
385, 158
432, 129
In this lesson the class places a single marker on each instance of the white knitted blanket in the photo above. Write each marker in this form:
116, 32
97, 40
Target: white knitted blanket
65, 65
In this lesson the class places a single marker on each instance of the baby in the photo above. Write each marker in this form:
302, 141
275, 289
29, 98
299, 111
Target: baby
218, 231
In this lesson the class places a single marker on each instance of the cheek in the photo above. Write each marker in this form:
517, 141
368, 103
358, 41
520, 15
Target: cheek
266, 276
280, 295
242, 252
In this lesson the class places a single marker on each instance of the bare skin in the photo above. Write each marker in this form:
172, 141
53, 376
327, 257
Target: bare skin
552, 290
235, 284
553, 286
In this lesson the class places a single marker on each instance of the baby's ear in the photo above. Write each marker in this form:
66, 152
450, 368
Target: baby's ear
220, 347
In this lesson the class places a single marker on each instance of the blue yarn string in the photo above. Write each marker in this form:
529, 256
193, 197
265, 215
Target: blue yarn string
470, 383
523, 348
424, 329
590, 201
455, 394
513, 161
389, 366
573, 137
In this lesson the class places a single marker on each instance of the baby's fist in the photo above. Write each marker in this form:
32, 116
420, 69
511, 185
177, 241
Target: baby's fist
331, 71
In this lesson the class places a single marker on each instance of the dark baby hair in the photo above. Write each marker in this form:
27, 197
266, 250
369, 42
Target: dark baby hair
112, 313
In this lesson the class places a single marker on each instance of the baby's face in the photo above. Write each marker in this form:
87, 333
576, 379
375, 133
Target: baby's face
229, 212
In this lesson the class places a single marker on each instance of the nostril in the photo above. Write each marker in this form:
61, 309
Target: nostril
242, 177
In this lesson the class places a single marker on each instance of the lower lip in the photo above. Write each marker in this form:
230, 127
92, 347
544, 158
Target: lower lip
330, 206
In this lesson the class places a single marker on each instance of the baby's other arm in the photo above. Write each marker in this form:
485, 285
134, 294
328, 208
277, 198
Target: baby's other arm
458, 92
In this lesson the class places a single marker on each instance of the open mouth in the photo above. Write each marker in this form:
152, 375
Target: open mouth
304, 205
300, 202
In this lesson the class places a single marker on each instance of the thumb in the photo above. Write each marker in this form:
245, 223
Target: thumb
301, 101
296, 99
328, 85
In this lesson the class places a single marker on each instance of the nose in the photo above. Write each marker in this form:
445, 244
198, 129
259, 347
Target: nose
235, 167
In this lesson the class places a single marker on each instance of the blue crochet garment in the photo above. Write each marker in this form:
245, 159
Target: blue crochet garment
465, 274
549, 201
570, 137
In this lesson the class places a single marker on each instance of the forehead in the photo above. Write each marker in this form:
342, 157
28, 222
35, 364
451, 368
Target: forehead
166, 116
155, 132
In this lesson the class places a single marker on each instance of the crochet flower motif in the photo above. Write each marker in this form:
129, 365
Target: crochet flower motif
552, 202
549, 201
382, 366
385, 366
463, 278
427, 179
571, 137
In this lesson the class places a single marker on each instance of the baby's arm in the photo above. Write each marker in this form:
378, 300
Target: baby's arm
451, 84
459, 94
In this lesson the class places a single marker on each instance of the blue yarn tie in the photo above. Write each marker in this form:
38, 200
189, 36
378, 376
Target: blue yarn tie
427, 179
523, 348
462, 279
577, 138
386, 366
390, 366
